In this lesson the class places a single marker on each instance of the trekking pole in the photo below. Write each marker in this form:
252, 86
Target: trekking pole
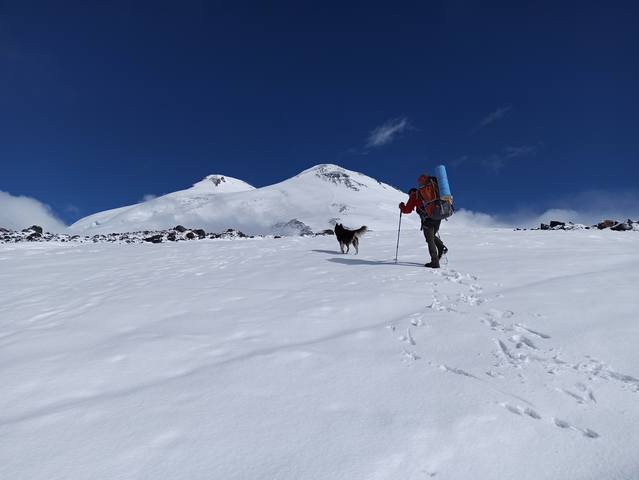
399, 227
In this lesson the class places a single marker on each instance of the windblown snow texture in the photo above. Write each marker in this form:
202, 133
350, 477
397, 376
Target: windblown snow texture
282, 358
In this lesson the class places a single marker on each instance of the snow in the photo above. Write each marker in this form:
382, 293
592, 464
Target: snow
317, 198
281, 358
162, 212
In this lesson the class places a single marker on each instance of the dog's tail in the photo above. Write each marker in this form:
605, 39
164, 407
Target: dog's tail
361, 231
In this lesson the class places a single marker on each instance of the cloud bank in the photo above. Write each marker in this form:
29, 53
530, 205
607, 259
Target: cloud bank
18, 212
588, 208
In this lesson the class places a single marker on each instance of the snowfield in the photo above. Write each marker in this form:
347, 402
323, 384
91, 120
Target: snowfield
284, 359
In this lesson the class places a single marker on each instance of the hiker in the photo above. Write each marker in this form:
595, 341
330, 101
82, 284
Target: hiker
422, 199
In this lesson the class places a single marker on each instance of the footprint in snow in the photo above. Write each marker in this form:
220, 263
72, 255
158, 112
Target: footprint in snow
532, 332
410, 356
456, 371
517, 410
408, 338
575, 396
417, 319
586, 432
523, 341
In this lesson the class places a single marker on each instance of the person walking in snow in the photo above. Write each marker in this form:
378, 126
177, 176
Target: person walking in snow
421, 199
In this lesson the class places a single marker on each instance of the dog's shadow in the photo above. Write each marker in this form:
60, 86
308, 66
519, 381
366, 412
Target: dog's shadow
331, 252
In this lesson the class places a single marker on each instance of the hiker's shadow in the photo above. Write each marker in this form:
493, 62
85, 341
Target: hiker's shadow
349, 260
357, 261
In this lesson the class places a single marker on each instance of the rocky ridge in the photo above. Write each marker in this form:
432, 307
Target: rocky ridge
628, 225
178, 233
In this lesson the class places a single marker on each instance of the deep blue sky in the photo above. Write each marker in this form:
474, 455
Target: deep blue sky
104, 102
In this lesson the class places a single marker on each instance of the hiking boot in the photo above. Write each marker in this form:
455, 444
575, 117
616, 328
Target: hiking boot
432, 265
443, 252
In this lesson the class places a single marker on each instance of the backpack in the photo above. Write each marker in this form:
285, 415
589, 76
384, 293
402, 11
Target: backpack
430, 205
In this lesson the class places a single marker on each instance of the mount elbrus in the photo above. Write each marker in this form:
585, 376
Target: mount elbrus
311, 201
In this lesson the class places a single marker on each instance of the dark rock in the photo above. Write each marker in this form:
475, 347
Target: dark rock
606, 224
621, 227
179, 228
328, 231
545, 226
555, 223
190, 235
199, 232
154, 239
33, 228
34, 237
171, 237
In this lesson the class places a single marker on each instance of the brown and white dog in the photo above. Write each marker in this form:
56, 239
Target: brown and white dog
347, 237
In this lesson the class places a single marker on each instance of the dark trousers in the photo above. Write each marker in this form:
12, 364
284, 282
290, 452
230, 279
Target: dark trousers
435, 245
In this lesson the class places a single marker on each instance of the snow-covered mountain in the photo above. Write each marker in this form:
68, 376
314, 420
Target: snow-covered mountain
161, 212
316, 199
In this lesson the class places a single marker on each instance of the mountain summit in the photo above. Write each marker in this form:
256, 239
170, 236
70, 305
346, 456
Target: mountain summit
315, 199
220, 184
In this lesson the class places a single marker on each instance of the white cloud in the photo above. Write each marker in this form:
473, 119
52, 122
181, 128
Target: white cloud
467, 218
493, 117
387, 132
587, 208
497, 161
592, 206
18, 212
73, 209
148, 197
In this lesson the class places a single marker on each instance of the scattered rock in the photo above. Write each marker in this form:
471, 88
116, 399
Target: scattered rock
621, 227
179, 228
154, 239
292, 227
606, 224
610, 224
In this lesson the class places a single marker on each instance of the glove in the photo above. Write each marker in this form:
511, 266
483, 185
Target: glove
402, 205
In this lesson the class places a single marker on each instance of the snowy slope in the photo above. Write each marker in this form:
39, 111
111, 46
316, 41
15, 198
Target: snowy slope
283, 359
317, 197
161, 212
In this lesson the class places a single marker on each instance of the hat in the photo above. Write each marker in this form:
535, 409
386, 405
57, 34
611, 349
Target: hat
423, 178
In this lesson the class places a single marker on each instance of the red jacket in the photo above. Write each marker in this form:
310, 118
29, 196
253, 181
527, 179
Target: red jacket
427, 193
